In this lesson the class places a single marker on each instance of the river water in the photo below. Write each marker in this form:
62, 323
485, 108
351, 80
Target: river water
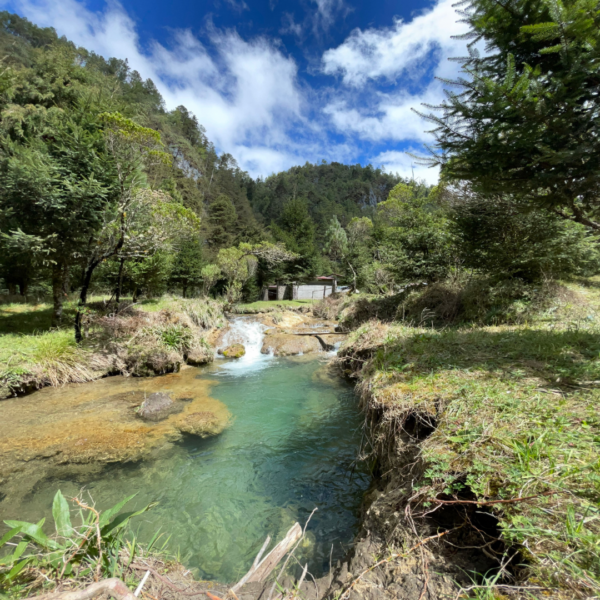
291, 447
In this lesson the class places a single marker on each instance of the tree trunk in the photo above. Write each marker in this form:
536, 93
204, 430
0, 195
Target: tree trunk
59, 272
136, 291
119, 284
87, 278
12, 289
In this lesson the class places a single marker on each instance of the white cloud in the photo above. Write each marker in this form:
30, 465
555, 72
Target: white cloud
238, 6
388, 53
327, 11
409, 54
406, 166
245, 93
289, 25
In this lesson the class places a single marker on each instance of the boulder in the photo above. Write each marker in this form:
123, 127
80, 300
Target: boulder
156, 407
283, 344
199, 356
234, 351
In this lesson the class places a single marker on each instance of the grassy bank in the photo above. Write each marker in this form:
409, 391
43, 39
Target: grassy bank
505, 419
152, 337
263, 306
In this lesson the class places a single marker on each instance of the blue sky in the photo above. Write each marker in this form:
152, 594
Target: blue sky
281, 82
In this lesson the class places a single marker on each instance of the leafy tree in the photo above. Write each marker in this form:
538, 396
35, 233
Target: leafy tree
413, 236
296, 230
222, 219
53, 189
239, 264
131, 147
527, 117
210, 275
188, 264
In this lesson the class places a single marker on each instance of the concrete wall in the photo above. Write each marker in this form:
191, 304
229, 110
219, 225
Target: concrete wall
316, 292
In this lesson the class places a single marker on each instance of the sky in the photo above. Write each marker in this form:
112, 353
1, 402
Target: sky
277, 83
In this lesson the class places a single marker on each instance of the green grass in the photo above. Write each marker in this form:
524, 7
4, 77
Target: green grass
515, 410
270, 306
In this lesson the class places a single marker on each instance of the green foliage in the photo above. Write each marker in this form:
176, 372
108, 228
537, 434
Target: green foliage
526, 119
327, 190
177, 337
222, 219
90, 548
499, 236
412, 232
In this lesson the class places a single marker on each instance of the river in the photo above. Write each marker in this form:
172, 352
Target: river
290, 448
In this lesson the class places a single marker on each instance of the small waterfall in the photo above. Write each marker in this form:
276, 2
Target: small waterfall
250, 333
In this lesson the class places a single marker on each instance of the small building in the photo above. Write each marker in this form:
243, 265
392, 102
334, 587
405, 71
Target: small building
318, 289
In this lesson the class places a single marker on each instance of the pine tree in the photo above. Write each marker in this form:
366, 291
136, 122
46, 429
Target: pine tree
527, 116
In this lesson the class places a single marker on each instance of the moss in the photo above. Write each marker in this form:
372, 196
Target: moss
234, 351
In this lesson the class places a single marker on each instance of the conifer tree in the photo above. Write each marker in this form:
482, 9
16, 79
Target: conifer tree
527, 114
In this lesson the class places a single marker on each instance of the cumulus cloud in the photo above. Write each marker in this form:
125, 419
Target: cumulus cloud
409, 56
406, 166
387, 53
246, 93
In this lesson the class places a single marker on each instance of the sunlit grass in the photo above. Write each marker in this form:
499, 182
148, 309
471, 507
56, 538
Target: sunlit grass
515, 410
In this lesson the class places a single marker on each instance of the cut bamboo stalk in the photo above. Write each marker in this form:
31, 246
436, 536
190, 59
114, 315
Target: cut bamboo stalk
261, 570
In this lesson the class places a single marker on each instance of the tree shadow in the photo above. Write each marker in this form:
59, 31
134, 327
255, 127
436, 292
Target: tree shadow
561, 358
29, 320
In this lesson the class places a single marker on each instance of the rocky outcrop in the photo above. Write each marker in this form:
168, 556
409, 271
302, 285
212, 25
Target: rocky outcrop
199, 356
157, 407
233, 351
283, 344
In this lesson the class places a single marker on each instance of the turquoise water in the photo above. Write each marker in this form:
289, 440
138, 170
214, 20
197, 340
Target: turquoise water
291, 448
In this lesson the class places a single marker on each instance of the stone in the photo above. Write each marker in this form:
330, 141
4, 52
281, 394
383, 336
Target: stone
234, 351
157, 407
200, 423
199, 356
283, 344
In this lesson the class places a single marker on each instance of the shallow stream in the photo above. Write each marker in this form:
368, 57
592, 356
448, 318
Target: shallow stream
291, 447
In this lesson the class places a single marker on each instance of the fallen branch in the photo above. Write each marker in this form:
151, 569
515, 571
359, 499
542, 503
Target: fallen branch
259, 571
113, 587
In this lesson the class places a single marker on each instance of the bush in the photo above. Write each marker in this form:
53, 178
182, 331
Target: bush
499, 237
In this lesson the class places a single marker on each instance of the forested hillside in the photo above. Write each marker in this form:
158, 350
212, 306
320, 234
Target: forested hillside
80, 136
329, 190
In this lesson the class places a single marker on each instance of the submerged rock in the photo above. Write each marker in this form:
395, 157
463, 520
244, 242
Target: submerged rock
234, 351
156, 407
200, 423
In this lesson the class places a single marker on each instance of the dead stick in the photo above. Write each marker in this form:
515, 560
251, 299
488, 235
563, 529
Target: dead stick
113, 587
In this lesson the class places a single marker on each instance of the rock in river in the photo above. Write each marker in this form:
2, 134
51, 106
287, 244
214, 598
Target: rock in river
282, 344
199, 356
234, 351
156, 407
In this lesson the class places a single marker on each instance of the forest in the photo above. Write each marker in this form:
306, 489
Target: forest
104, 189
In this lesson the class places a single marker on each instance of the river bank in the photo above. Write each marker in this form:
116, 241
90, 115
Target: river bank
276, 422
